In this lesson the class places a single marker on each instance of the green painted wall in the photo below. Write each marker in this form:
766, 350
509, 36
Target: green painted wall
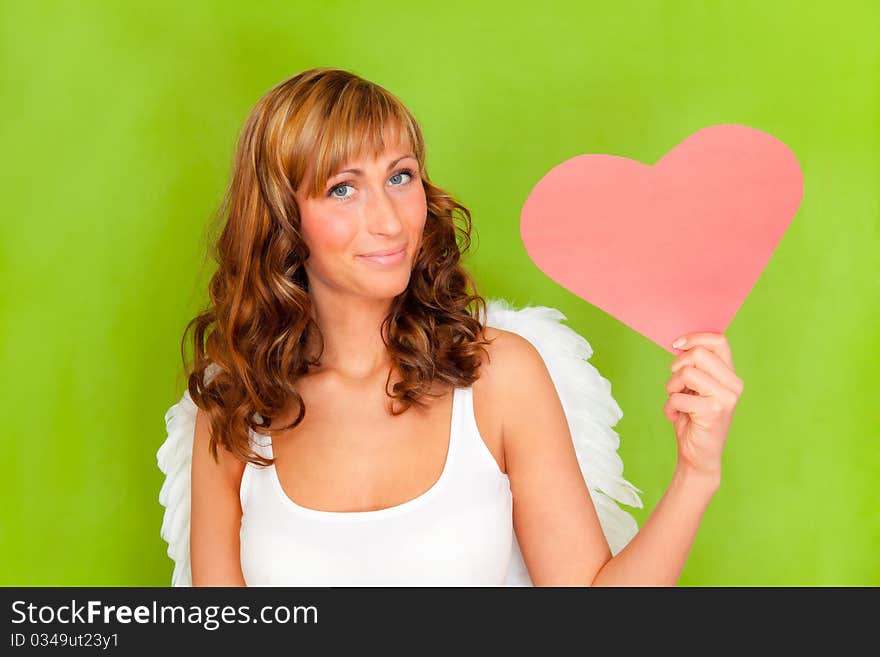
118, 127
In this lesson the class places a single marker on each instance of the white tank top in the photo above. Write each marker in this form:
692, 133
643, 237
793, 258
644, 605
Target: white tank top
457, 533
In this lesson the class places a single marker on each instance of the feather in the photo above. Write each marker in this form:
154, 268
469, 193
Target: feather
175, 460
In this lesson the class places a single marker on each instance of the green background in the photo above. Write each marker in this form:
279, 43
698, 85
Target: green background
119, 121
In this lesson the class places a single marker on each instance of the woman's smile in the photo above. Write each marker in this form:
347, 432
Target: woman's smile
385, 260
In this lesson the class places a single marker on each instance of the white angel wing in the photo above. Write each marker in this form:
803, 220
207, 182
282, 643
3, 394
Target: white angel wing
175, 460
591, 412
585, 395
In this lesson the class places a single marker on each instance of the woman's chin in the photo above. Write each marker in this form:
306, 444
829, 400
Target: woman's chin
385, 289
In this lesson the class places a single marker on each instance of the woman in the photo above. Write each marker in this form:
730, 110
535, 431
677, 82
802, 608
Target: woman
406, 438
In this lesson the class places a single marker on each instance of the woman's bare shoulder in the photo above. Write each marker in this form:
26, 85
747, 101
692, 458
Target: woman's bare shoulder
514, 370
227, 467
507, 367
507, 348
508, 355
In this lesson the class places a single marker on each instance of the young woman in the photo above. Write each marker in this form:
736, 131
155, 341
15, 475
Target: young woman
357, 423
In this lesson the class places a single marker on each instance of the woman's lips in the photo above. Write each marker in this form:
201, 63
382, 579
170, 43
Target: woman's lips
390, 259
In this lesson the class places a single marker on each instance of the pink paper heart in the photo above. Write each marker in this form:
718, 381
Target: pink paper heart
672, 248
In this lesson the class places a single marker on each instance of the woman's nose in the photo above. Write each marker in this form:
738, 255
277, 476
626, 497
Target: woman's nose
382, 214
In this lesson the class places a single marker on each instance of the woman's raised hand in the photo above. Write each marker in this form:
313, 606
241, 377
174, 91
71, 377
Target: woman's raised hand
703, 393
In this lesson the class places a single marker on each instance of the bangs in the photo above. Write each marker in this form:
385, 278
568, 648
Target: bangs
362, 120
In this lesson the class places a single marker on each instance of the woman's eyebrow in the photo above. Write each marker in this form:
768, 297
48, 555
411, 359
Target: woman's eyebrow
360, 172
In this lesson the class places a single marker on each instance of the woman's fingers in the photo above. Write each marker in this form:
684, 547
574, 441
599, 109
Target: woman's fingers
704, 360
715, 342
697, 380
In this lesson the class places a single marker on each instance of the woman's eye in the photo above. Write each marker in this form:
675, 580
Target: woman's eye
338, 187
342, 186
405, 172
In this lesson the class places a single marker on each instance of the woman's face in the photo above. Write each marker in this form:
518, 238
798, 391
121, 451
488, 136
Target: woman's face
381, 207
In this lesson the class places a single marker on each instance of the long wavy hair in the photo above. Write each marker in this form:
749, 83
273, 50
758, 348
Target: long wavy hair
250, 342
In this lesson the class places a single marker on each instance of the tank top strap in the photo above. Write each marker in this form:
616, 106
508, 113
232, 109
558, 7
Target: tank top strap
261, 443
472, 441
468, 416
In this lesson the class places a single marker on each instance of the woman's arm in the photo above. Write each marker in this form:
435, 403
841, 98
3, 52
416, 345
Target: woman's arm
704, 390
556, 523
215, 557
657, 553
